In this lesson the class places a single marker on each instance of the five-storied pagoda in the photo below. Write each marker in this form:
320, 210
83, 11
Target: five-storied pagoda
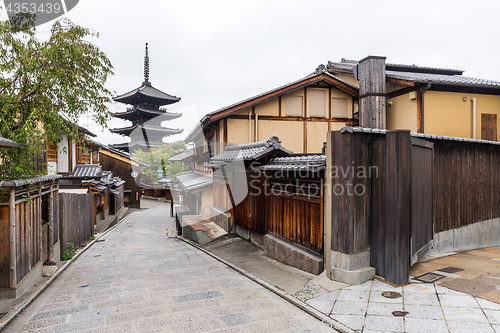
146, 115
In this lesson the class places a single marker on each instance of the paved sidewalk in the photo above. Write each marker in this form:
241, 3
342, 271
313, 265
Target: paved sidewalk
474, 272
431, 308
138, 280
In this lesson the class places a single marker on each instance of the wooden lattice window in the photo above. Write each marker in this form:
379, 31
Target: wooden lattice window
51, 152
95, 157
81, 156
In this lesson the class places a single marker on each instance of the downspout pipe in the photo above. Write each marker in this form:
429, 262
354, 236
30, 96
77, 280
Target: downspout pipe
249, 126
474, 110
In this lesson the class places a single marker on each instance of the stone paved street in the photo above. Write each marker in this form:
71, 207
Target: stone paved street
138, 280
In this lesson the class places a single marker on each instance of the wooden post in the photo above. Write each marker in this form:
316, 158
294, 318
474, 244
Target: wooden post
372, 92
50, 237
12, 235
398, 206
327, 197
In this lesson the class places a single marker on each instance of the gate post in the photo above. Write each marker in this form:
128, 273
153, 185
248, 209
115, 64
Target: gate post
350, 211
397, 235
51, 261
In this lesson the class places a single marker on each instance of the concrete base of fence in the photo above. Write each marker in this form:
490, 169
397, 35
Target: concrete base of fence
292, 254
474, 236
252, 236
352, 268
28, 282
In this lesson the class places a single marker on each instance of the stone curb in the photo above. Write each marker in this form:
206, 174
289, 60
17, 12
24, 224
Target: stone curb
14, 314
301, 305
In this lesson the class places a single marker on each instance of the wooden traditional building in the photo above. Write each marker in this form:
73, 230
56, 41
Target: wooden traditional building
274, 198
146, 115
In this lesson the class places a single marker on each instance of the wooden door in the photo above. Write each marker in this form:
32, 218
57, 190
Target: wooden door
488, 127
421, 211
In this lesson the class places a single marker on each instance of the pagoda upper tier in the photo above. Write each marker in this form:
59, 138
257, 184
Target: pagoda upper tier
139, 114
146, 115
147, 95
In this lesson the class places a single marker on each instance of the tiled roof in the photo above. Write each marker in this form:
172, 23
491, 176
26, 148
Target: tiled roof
149, 92
139, 111
457, 80
21, 182
148, 128
416, 135
191, 180
251, 151
86, 171
182, 156
303, 162
418, 74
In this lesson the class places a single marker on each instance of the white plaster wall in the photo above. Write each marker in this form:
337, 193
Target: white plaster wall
62, 155
51, 167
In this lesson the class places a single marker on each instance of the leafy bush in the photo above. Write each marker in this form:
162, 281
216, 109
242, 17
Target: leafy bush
69, 252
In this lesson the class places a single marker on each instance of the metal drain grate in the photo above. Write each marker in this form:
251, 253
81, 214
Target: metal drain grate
429, 277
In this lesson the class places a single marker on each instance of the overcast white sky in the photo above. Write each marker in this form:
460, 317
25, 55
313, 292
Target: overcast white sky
215, 53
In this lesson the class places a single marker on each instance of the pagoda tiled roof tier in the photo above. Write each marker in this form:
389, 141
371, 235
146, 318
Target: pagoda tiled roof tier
147, 129
146, 94
131, 146
139, 112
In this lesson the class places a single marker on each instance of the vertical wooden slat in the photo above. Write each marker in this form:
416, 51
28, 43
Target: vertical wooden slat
12, 266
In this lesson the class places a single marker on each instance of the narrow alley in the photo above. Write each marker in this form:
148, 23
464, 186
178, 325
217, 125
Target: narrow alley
136, 279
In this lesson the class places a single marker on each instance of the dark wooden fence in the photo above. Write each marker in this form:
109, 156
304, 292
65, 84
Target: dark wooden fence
424, 185
76, 218
466, 183
267, 209
298, 219
21, 234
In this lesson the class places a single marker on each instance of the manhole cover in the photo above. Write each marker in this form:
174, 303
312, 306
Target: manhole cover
450, 270
3, 314
399, 313
429, 277
391, 294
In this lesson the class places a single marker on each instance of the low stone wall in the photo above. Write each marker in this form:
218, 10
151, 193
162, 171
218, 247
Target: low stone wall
473, 236
291, 254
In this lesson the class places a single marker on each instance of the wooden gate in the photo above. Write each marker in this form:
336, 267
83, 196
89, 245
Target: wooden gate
402, 204
421, 221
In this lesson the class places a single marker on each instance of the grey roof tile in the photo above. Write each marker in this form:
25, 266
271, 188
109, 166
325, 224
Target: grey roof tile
251, 151
147, 91
306, 162
21, 182
87, 170
349, 129
182, 156
192, 180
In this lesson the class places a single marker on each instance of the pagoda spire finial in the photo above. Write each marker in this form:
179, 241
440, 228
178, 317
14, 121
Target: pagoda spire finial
146, 67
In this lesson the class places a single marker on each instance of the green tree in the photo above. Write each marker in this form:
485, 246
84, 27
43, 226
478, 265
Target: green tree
45, 86
158, 157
